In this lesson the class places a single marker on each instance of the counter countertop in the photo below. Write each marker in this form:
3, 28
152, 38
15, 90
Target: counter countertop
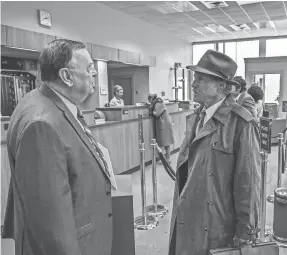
128, 106
125, 121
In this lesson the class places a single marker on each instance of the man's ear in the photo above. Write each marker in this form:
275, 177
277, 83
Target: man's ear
65, 76
222, 85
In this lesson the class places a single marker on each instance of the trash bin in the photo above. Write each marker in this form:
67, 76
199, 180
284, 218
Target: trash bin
280, 215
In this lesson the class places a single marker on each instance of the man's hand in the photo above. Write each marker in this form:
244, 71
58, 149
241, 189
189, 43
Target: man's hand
238, 242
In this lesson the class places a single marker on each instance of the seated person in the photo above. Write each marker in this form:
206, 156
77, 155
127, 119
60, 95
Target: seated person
117, 100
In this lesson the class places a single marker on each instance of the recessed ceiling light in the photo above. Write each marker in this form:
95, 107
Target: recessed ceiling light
218, 29
173, 7
247, 2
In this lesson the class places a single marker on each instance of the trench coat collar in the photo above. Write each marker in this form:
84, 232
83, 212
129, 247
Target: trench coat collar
50, 94
221, 115
223, 112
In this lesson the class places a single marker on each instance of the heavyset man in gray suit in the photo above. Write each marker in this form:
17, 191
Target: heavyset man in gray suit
60, 192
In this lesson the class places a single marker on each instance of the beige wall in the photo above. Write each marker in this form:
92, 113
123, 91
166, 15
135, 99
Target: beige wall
97, 23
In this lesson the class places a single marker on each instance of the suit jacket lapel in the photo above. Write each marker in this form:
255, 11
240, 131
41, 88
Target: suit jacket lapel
47, 92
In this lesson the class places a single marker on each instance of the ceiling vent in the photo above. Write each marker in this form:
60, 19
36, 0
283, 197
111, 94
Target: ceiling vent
214, 4
240, 27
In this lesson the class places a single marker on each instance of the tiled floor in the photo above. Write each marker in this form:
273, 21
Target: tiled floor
155, 241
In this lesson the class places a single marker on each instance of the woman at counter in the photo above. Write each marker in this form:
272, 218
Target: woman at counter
164, 133
117, 100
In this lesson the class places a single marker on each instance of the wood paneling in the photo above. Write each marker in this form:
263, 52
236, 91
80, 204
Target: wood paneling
25, 39
3, 35
124, 135
103, 52
129, 57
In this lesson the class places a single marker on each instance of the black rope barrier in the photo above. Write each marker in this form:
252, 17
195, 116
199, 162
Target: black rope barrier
165, 164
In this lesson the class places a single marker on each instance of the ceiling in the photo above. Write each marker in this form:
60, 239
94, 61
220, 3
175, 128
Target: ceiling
202, 21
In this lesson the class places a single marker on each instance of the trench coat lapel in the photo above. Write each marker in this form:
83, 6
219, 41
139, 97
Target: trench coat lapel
47, 92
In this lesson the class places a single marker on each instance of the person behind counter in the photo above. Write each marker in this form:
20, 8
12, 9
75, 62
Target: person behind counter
117, 100
163, 125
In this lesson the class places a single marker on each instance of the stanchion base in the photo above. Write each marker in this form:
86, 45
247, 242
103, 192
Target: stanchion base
160, 212
270, 199
151, 222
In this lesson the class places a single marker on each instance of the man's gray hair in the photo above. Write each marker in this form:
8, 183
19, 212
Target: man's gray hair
55, 56
228, 87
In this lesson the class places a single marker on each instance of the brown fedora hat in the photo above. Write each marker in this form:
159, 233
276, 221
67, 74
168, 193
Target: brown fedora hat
216, 64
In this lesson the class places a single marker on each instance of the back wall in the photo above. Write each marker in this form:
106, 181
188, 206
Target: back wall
98, 23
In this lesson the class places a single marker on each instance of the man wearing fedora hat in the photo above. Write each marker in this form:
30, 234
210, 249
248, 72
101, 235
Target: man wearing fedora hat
216, 198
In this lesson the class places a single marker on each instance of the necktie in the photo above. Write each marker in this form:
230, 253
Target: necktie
93, 141
201, 121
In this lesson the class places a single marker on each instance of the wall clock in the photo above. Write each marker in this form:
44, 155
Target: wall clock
45, 18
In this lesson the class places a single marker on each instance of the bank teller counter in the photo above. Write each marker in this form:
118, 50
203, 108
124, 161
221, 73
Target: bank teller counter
119, 133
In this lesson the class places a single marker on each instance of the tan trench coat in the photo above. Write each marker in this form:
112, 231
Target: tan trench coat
217, 188
163, 125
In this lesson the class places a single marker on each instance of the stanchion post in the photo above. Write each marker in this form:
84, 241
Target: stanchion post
264, 157
280, 158
155, 209
143, 183
145, 221
154, 177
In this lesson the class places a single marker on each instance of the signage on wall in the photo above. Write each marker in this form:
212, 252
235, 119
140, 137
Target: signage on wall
104, 90
284, 106
265, 134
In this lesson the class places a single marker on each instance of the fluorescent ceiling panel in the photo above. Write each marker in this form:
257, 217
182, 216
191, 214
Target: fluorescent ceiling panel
218, 29
247, 2
173, 7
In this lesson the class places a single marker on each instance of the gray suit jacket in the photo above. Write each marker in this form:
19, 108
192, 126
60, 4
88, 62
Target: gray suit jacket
247, 101
65, 192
